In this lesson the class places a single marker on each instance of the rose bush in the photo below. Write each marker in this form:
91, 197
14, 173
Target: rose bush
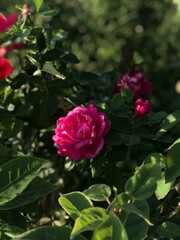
136, 82
128, 191
80, 134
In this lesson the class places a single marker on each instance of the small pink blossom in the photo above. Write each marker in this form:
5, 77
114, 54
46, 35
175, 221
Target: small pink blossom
26, 12
6, 23
80, 133
137, 83
5, 68
142, 107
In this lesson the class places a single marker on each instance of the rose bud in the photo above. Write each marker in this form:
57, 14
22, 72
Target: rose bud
142, 107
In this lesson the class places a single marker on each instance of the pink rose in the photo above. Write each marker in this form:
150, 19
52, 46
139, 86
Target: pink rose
137, 83
80, 133
6, 23
142, 107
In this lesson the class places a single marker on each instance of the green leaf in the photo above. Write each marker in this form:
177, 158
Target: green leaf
16, 175
119, 201
156, 117
98, 192
48, 11
35, 190
173, 163
38, 4
168, 230
33, 61
134, 139
110, 229
12, 231
25, 110
19, 6
70, 58
13, 218
111, 173
156, 159
88, 220
6, 154
97, 166
130, 208
73, 203
127, 94
135, 225
169, 122
114, 138
11, 127
51, 55
143, 183
163, 188
48, 233
49, 68
116, 101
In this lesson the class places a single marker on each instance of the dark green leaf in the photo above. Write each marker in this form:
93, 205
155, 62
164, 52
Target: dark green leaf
168, 230
25, 110
70, 58
173, 163
114, 138
16, 175
51, 55
127, 95
116, 101
135, 225
35, 190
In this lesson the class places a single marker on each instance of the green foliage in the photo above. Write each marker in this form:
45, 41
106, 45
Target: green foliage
74, 202
38, 4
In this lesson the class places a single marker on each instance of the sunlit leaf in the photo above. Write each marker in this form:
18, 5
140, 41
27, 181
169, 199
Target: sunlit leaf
110, 229
73, 203
169, 122
98, 192
88, 220
49, 68
38, 4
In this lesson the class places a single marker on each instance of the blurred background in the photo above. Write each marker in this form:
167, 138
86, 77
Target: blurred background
99, 29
